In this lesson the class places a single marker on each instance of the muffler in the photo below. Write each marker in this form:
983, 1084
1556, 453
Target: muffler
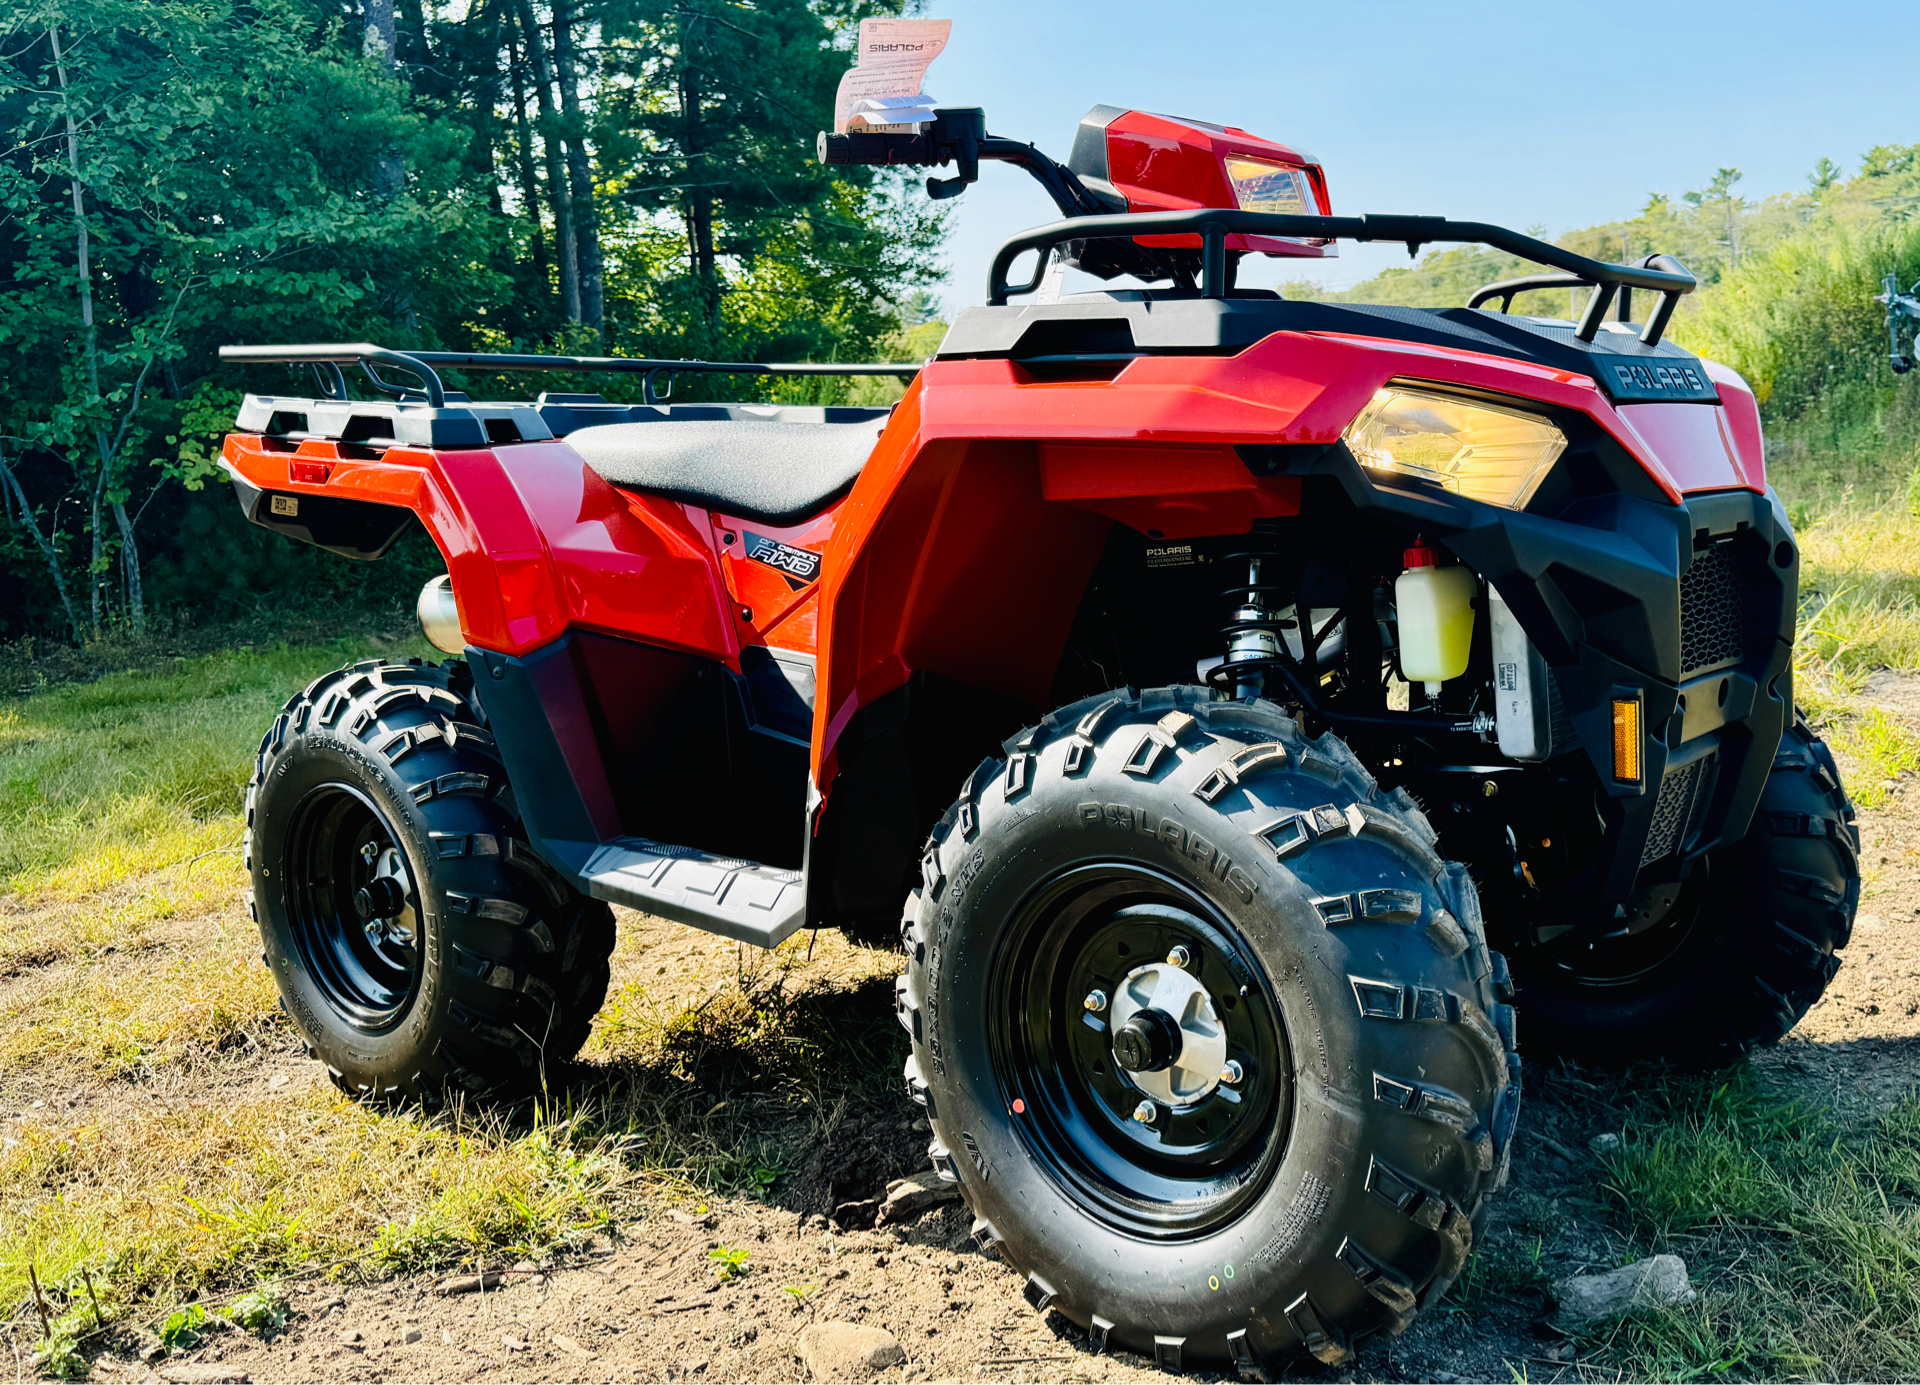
440, 617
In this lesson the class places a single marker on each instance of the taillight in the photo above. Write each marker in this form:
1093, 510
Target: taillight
310, 473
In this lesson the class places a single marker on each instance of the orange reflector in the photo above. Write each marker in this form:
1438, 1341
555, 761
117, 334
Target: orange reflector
1626, 739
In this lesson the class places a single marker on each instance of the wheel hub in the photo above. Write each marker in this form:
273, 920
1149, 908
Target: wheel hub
1167, 1034
352, 907
382, 903
1157, 1093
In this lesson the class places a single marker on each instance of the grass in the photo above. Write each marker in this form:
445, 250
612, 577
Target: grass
1859, 613
142, 768
1802, 1231
128, 970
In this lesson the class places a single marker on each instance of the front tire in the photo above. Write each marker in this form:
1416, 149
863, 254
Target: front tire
1752, 946
418, 942
1323, 1183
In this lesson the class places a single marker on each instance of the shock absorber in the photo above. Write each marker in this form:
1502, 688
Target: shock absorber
1253, 634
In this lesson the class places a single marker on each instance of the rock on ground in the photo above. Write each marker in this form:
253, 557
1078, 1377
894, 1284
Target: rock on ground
909, 1197
848, 1351
1656, 1282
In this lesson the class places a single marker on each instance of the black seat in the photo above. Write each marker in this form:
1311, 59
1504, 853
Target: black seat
777, 473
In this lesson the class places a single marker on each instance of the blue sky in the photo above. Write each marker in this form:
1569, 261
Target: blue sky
1557, 114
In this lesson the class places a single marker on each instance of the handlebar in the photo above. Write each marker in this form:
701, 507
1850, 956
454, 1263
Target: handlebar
958, 135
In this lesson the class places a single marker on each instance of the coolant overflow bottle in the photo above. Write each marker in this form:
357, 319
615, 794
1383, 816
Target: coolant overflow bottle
1435, 607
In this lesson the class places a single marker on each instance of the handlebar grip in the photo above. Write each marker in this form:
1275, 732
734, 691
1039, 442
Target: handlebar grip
866, 147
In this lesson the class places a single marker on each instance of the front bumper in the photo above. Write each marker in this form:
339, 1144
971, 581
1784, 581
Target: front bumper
1691, 608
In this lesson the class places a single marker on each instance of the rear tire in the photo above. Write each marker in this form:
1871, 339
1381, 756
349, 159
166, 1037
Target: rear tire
481, 966
1329, 1186
1765, 927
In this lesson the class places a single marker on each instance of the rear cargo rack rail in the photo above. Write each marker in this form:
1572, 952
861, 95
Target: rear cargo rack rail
421, 365
1213, 225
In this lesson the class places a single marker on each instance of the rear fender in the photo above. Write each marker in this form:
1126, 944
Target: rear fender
534, 539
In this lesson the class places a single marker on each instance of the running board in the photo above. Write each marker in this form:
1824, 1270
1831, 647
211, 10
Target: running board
743, 900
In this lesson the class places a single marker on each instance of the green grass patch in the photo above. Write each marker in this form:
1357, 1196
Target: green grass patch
140, 769
1802, 1233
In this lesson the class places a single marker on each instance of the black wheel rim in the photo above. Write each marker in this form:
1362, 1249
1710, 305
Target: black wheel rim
1637, 948
1205, 1157
338, 844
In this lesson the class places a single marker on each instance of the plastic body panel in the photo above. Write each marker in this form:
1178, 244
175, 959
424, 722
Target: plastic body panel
961, 554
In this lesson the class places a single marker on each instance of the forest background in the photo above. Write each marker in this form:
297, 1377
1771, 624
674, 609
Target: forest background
603, 176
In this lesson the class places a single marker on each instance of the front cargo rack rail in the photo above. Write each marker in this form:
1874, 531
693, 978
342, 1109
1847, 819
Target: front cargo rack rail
327, 358
1660, 274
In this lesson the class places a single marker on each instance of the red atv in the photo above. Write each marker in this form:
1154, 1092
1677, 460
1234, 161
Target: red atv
1283, 655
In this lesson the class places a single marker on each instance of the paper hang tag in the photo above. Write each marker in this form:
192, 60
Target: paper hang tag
891, 59
892, 113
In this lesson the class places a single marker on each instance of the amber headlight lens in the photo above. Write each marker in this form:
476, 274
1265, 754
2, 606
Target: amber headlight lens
1482, 451
1259, 186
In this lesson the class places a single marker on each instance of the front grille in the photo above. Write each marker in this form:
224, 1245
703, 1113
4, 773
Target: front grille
1671, 812
1713, 616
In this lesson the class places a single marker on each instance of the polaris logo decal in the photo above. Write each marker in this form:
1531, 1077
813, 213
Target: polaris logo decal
798, 565
1660, 380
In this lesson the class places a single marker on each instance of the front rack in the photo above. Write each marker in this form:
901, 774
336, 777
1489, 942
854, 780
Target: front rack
1213, 225
420, 365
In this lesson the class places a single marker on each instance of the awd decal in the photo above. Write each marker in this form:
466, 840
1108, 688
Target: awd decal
798, 565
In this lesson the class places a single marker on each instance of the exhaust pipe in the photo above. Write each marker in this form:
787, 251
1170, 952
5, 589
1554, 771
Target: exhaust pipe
440, 617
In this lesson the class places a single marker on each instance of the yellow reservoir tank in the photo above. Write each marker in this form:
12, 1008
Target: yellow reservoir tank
1435, 614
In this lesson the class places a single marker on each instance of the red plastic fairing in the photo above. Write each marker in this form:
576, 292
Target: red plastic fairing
1693, 444
1161, 165
966, 544
1741, 418
967, 541
773, 607
535, 541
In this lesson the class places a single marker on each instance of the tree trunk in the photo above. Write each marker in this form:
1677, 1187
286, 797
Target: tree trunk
80, 249
699, 204
586, 227
486, 104
97, 562
130, 567
378, 43
89, 334
45, 544
559, 191
523, 151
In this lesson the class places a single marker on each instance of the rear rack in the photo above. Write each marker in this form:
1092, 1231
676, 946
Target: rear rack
1213, 225
420, 364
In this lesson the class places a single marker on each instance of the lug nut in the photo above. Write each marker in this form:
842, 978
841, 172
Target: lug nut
1146, 1113
1179, 957
1232, 1073
1095, 1002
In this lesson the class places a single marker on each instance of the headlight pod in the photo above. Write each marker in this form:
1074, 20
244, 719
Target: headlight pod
1481, 451
1260, 186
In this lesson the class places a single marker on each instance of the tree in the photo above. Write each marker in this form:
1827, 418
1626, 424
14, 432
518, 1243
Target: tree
176, 204
711, 112
1719, 196
492, 174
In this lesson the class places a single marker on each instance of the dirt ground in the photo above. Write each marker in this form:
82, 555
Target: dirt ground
644, 1303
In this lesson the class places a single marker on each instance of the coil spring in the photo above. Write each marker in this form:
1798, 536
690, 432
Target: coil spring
1254, 635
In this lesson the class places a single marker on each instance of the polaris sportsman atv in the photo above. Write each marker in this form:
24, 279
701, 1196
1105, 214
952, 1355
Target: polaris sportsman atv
1223, 686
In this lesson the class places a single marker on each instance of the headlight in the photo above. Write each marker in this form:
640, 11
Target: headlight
1482, 451
1259, 186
